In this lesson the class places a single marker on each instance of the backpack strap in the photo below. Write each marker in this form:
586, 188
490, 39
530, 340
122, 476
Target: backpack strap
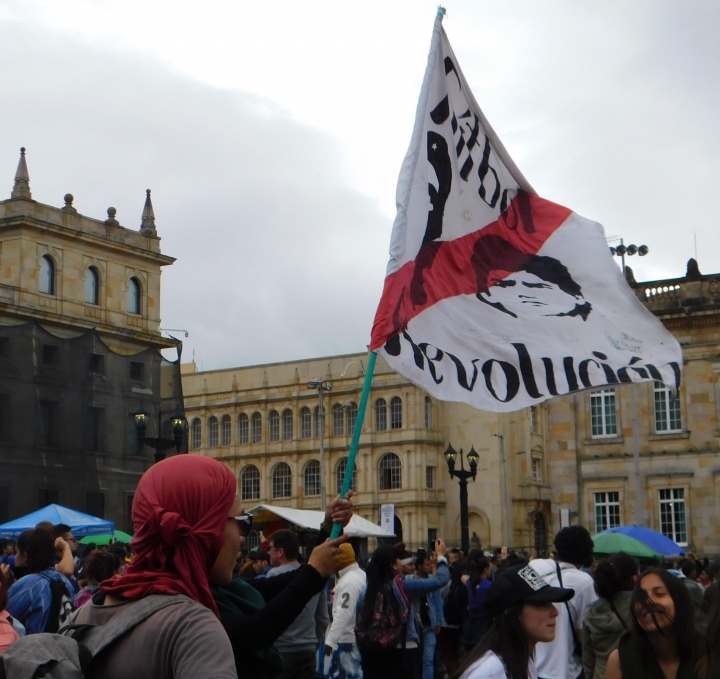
576, 640
101, 636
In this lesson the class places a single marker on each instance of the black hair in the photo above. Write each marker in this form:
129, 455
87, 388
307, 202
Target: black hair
60, 529
5, 542
613, 575
687, 567
287, 541
709, 665
38, 545
380, 572
476, 567
574, 545
507, 639
87, 549
100, 566
683, 623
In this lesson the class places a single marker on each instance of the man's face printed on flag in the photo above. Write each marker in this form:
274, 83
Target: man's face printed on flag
542, 287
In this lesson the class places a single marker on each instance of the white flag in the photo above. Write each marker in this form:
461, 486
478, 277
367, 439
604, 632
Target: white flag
493, 295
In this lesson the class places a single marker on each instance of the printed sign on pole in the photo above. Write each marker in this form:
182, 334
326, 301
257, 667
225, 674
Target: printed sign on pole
387, 517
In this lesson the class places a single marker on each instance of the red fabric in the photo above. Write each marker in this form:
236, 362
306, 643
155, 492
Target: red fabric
464, 266
179, 512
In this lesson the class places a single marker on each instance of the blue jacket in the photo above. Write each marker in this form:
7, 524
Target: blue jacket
435, 605
430, 586
30, 597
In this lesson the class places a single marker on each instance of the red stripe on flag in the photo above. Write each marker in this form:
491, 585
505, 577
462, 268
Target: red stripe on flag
466, 265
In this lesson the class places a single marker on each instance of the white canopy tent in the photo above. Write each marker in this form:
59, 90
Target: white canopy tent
311, 519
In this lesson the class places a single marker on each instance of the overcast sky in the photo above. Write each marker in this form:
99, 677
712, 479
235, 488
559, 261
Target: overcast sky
271, 135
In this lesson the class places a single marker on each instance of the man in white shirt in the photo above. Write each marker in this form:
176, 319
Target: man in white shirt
557, 659
342, 657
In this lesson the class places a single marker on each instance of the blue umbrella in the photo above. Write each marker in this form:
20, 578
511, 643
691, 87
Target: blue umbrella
81, 524
656, 541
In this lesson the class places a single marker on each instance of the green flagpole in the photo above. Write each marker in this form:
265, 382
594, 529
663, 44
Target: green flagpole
347, 480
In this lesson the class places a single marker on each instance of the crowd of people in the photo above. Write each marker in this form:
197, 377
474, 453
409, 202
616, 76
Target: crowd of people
185, 599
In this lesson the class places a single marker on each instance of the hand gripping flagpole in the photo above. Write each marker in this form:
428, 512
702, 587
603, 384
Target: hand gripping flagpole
347, 479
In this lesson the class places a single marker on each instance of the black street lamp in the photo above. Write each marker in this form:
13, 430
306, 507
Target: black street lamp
160, 445
463, 475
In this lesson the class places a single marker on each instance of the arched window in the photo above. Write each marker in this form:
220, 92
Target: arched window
274, 425
226, 430
380, 415
312, 478
287, 424
133, 296
428, 413
213, 432
196, 433
250, 483
47, 275
396, 413
92, 286
390, 472
243, 429
340, 475
338, 420
305, 424
256, 427
352, 413
281, 481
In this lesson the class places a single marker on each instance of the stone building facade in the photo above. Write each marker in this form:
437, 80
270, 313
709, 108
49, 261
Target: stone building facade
591, 436
568, 460
79, 350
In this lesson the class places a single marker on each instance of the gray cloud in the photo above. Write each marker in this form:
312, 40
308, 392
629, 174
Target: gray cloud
278, 257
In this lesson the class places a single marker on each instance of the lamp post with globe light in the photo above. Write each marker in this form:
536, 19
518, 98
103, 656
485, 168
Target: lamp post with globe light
463, 475
160, 445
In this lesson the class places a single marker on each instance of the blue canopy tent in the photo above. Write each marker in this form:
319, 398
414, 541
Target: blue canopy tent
81, 524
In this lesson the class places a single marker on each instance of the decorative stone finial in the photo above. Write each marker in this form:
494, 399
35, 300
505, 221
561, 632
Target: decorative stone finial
111, 221
21, 187
693, 270
68, 198
147, 225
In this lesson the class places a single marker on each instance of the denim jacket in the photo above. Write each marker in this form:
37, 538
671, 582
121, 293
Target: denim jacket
430, 586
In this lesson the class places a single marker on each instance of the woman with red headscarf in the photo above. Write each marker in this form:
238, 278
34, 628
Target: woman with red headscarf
185, 534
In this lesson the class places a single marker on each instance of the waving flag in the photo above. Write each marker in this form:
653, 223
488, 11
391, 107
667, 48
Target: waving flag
493, 295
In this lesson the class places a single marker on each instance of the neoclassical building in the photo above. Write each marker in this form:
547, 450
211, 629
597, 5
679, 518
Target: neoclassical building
80, 349
263, 422
569, 460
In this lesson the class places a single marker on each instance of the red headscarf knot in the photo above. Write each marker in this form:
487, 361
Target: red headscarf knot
185, 496
173, 528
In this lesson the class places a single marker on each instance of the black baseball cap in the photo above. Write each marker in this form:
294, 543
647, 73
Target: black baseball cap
522, 584
259, 555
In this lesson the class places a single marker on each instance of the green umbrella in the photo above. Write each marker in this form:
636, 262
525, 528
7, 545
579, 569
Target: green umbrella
611, 543
118, 536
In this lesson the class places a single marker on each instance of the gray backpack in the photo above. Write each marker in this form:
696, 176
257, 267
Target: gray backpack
69, 653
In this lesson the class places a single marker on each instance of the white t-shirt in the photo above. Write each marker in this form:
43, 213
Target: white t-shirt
556, 659
491, 667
